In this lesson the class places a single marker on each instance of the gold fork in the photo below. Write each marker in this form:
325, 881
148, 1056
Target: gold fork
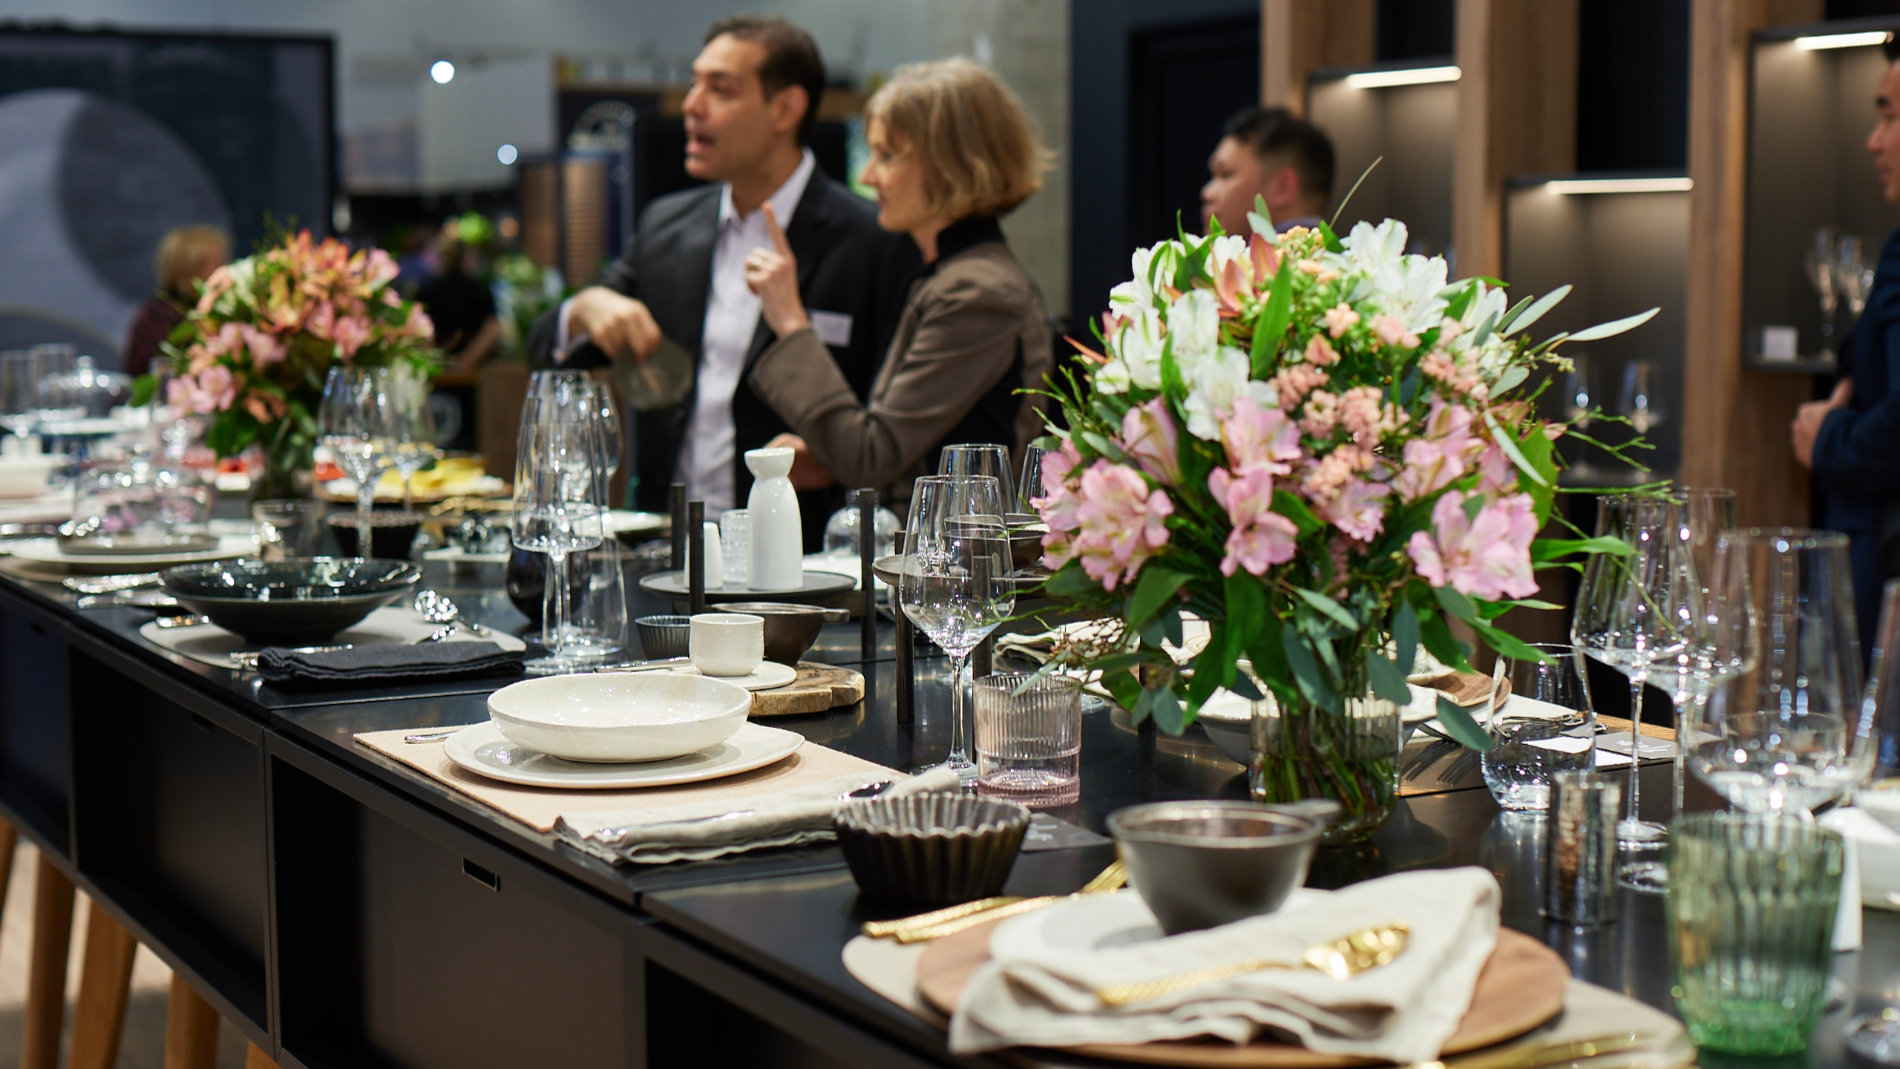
904, 929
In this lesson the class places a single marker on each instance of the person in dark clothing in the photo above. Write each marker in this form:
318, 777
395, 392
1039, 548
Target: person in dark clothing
186, 256
461, 308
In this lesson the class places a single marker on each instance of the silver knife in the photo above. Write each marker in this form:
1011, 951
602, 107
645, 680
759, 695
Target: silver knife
646, 666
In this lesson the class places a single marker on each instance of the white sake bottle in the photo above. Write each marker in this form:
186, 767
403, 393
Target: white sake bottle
777, 537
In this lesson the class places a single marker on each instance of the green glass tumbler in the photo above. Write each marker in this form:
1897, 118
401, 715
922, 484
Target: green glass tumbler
1751, 906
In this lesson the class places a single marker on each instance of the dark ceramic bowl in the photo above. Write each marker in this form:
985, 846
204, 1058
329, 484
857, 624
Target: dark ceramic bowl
1202, 864
290, 602
1025, 539
790, 629
391, 532
927, 850
664, 636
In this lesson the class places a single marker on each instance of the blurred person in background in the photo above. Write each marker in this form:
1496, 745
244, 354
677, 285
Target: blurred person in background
186, 257
460, 306
951, 150
1272, 154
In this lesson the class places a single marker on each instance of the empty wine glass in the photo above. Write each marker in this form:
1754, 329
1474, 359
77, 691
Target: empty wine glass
413, 446
1629, 617
560, 493
1853, 275
1876, 1036
1029, 484
358, 426
1639, 403
1820, 263
1791, 732
955, 582
981, 459
20, 374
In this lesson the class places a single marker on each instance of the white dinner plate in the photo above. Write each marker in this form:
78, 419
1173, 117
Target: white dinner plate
625, 521
767, 675
1093, 922
481, 749
48, 551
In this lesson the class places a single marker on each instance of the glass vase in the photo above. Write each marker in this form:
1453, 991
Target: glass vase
286, 470
1305, 751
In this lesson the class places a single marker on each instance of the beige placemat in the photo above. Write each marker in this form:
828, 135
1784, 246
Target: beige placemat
540, 807
889, 968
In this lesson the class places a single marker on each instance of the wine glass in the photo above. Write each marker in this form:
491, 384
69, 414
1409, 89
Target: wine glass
972, 458
1853, 275
358, 425
1792, 731
1820, 263
1029, 484
1876, 1036
1638, 402
955, 584
560, 493
1629, 617
613, 438
413, 447
20, 374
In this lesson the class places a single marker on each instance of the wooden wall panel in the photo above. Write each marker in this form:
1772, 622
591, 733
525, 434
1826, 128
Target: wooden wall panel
1517, 113
1735, 432
1300, 36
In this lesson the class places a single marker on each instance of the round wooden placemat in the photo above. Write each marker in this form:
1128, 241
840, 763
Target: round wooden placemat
819, 687
1520, 987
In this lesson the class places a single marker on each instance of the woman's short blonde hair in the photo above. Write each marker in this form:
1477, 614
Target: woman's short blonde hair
188, 254
979, 153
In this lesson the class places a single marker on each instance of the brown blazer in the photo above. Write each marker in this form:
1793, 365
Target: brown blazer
972, 333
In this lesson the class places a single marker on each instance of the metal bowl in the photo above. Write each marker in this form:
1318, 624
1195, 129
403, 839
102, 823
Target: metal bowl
1202, 864
790, 628
290, 602
930, 849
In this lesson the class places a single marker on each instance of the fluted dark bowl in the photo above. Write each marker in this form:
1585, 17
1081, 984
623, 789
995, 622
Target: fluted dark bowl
290, 602
664, 636
927, 850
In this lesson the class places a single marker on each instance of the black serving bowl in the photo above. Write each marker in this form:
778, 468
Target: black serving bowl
790, 628
290, 602
1202, 864
925, 850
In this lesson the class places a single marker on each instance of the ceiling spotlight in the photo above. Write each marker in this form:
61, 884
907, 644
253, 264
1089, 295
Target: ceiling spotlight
442, 71
506, 154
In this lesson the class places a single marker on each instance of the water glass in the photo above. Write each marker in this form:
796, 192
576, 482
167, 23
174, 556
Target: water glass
1751, 906
735, 547
287, 528
1029, 738
972, 458
1545, 728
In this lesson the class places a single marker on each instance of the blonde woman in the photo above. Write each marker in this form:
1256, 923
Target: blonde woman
951, 150
186, 256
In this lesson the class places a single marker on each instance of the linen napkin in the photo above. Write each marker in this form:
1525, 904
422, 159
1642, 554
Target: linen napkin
386, 663
1401, 1012
697, 830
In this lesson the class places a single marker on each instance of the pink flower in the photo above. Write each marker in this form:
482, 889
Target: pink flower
380, 269
1123, 523
1294, 383
1438, 459
1057, 504
210, 390
1488, 557
1322, 414
1391, 330
1367, 416
419, 324
1258, 437
1340, 318
1320, 353
1358, 509
1151, 438
216, 285
1261, 537
320, 320
349, 334
1497, 474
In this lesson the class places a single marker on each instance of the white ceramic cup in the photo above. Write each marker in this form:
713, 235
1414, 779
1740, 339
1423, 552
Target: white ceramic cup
726, 643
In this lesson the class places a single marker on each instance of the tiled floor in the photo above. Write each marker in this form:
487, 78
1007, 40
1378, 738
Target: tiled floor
143, 1043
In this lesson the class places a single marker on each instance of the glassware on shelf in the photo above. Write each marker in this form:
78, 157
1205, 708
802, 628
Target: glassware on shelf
1820, 262
1639, 403
955, 584
1853, 274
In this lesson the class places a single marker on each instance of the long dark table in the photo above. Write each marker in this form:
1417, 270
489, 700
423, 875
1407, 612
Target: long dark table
340, 910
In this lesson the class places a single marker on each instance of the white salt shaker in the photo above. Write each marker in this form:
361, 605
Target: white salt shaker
777, 536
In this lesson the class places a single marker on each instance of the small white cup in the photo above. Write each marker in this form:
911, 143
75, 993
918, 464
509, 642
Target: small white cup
726, 643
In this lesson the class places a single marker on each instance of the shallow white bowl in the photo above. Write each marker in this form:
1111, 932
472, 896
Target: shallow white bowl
647, 716
1228, 720
25, 475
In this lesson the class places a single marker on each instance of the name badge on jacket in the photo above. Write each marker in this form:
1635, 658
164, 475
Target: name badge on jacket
832, 328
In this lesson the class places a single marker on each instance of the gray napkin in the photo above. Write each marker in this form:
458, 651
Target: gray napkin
698, 830
1401, 1012
387, 664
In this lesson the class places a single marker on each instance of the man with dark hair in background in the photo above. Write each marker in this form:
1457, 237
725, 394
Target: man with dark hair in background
1852, 439
1272, 154
749, 113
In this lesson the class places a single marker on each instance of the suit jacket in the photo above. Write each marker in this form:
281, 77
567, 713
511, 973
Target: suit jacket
1857, 452
847, 265
973, 332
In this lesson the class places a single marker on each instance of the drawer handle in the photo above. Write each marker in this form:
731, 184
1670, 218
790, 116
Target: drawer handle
481, 875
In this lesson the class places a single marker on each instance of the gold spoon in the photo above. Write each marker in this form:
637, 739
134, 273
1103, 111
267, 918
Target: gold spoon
951, 919
1341, 959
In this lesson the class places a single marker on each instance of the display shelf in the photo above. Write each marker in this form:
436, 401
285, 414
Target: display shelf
1409, 129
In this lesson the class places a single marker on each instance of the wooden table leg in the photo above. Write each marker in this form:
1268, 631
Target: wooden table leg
46, 969
105, 980
257, 1059
191, 1029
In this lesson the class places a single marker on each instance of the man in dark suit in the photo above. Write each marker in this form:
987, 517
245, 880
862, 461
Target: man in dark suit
1852, 439
751, 108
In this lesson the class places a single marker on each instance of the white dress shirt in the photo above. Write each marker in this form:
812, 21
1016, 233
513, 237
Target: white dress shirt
732, 318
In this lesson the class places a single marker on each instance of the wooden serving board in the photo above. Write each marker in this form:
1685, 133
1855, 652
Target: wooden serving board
818, 687
1520, 987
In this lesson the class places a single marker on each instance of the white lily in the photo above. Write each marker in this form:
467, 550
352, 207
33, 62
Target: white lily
1214, 382
1368, 248
1194, 324
1137, 359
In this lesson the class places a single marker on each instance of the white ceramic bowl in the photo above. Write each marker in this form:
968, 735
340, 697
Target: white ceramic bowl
645, 716
25, 475
1228, 720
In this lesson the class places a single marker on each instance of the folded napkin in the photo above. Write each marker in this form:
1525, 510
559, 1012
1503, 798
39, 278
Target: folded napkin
394, 663
1401, 1012
698, 830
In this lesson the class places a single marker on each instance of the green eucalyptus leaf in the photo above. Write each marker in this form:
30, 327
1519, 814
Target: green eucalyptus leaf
1455, 603
1613, 327
1306, 674
1332, 609
1270, 326
1505, 643
1156, 587
1386, 679
1537, 310
1459, 725
1549, 549
1436, 637
1165, 707
1405, 636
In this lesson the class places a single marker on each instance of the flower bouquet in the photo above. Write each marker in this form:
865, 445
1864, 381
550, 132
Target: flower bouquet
1326, 450
253, 353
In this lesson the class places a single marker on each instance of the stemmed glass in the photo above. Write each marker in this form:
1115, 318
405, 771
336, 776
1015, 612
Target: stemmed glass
560, 493
1029, 484
1821, 264
357, 422
980, 459
1638, 402
955, 584
1630, 617
20, 374
1876, 1036
1853, 277
1792, 731
414, 421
